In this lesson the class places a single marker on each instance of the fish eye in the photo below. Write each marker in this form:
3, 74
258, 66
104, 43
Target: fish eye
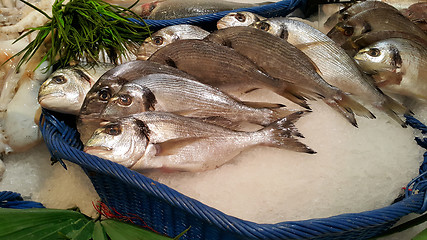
113, 129
59, 79
158, 40
263, 26
240, 17
125, 99
345, 16
348, 31
374, 52
104, 94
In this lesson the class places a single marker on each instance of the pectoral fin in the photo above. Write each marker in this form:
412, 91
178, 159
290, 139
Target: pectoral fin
263, 104
383, 79
173, 146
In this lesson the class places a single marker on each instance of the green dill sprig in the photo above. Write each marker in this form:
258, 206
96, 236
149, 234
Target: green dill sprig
84, 29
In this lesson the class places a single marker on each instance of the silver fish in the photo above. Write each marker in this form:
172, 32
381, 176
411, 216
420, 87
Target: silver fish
171, 9
186, 97
110, 83
336, 67
398, 66
235, 19
345, 13
164, 141
168, 35
65, 89
281, 60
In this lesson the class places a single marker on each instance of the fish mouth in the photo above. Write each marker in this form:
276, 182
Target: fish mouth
43, 96
96, 149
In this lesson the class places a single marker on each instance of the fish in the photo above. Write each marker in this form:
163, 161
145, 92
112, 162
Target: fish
224, 68
373, 20
280, 59
110, 83
166, 142
167, 35
235, 19
186, 97
335, 66
398, 65
66, 88
345, 13
417, 13
171, 9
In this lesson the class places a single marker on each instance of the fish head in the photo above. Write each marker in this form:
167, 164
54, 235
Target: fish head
122, 141
132, 98
348, 30
273, 27
340, 16
157, 40
379, 57
146, 9
234, 19
65, 90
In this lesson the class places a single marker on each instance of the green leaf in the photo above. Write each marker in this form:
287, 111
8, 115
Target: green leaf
99, 232
117, 230
421, 236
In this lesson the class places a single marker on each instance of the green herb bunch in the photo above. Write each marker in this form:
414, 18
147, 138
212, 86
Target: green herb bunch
84, 29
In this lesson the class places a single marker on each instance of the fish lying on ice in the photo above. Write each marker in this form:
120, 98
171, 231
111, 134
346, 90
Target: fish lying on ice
345, 13
336, 67
374, 20
398, 66
65, 89
167, 35
223, 67
171, 9
182, 96
235, 19
283, 61
168, 142
109, 84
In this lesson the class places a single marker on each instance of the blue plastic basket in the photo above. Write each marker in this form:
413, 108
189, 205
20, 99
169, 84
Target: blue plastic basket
281, 8
170, 213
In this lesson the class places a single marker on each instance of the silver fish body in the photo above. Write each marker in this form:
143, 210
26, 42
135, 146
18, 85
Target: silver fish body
398, 66
235, 19
110, 83
163, 141
335, 66
280, 59
182, 96
171, 9
65, 89
168, 35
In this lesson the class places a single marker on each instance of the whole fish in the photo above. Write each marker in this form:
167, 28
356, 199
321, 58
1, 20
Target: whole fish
182, 96
163, 141
345, 13
223, 67
373, 20
283, 61
235, 19
336, 67
65, 89
171, 9
110, 83
167, 35
398, 65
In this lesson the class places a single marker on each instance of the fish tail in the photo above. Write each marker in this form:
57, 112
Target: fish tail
347, 106
297, 95
281, 134
392, 108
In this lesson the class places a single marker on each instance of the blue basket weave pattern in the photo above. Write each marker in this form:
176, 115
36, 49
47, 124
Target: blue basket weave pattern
280, 8
169, 212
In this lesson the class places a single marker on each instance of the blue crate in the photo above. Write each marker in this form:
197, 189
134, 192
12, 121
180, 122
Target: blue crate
170, 213
281, 8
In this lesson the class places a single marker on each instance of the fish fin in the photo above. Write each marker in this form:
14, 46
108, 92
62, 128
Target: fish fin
347, 107
383, 79
297, 94
263, 104
392, 108
282, 133
173, 146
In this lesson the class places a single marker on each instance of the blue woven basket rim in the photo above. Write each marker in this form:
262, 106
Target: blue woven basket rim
268, 10
57, 136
